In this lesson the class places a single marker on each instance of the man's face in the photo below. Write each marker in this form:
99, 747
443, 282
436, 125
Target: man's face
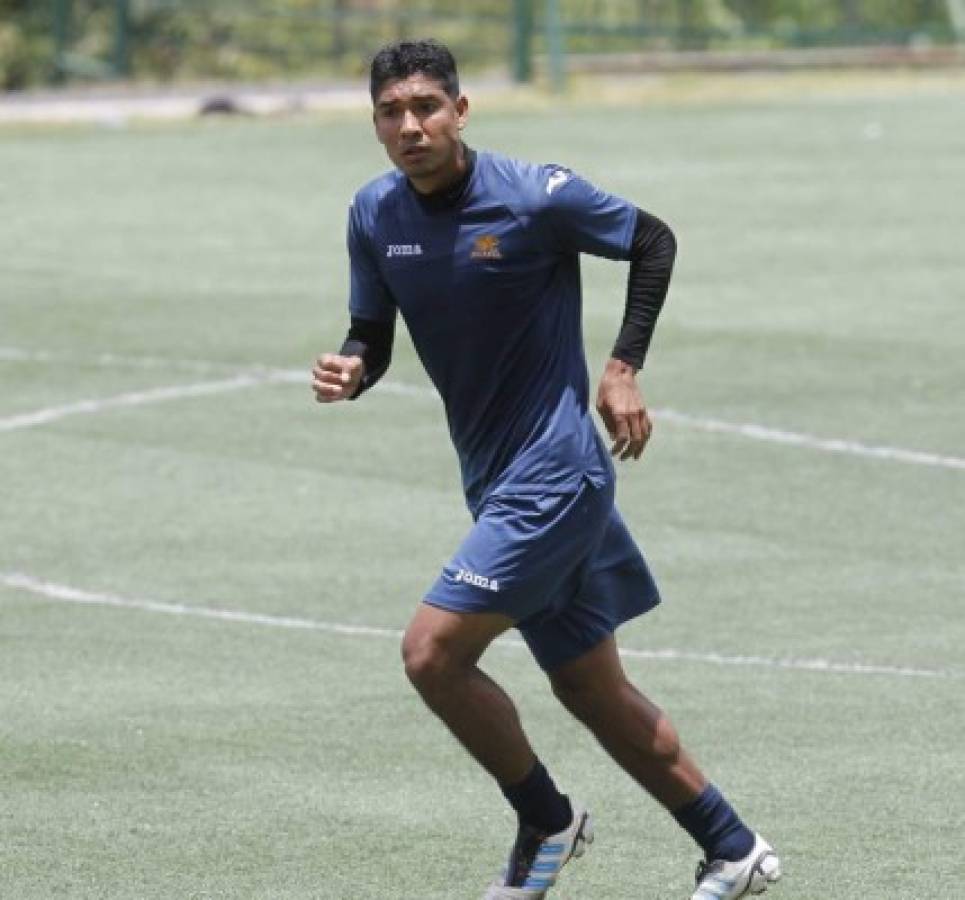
419, 125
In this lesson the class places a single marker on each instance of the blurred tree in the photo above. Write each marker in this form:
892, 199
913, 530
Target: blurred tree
26, 44
254, 39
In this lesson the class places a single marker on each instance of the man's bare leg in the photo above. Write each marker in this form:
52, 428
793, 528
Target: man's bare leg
635, 732
440, 651
638, 735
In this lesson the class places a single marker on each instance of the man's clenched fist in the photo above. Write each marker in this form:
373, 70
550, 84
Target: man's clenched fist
337, 377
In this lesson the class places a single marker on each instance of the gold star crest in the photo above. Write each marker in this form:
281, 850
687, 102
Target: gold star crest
486, 247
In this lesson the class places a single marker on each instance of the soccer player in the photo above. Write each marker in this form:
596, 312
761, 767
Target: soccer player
480, 255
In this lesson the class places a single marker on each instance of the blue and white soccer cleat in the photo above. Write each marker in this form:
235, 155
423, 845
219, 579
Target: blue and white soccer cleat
536, 859
719, 879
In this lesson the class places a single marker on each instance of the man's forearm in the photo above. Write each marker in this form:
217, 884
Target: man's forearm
651, 265
372, 342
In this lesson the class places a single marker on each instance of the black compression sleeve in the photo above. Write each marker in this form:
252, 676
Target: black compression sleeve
651, 264
373, 342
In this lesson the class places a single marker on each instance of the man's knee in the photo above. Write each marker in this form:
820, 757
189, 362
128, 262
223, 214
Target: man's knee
582, 699
429, 663
440, 646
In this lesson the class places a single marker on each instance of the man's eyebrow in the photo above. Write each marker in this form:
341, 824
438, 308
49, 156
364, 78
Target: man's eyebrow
395, 100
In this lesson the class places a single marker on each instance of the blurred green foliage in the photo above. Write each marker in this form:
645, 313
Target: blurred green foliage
26, 43
610, 25
257, 39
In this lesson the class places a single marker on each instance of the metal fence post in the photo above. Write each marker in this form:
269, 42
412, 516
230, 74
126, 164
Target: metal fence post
122, 24
555, 46
61, 38
522, 40
338, 30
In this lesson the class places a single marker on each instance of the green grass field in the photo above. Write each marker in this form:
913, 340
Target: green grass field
820, 290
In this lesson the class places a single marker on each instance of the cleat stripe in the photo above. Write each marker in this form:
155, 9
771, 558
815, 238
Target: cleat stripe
536, 874
552, 848
544, 867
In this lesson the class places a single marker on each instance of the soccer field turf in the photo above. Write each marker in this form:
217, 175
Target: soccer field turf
203, 574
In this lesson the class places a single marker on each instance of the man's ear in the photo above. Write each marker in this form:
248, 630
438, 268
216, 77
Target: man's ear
462, 111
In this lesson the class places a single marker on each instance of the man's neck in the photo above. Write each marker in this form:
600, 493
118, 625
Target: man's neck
455, 190
439, 182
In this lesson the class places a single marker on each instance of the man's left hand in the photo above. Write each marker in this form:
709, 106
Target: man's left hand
620, 405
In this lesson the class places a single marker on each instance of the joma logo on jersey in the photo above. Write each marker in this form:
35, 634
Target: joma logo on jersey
403, 250
486, 247
490, 584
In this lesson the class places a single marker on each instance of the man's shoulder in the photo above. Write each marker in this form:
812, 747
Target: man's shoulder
372, 195
529, 184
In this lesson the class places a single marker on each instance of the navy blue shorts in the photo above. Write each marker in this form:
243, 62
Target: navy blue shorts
562, 565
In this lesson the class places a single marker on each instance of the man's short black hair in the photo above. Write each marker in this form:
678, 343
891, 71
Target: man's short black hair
405, 58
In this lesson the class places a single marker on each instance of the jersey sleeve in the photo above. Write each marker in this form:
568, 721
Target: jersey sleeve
581, 218
369, 297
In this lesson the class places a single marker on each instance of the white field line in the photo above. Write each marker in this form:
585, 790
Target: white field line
252, 376
812, 442
66, 594
137, 398
119, 361
761, 433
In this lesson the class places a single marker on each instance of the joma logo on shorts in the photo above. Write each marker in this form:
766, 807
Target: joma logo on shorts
403, 250
490, 584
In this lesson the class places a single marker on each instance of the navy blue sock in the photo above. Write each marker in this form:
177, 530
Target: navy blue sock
538, 803
711, 821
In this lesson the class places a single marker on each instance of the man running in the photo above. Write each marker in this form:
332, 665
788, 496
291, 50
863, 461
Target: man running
480, 254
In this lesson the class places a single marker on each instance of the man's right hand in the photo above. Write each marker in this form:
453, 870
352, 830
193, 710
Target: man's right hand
337, 377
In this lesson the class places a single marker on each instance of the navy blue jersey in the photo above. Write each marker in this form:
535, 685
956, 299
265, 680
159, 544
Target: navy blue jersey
489, 288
